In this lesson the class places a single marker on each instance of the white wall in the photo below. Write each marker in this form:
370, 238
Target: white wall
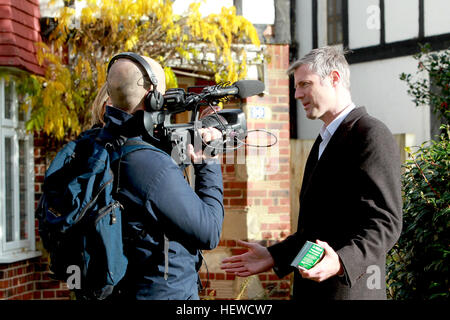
437, 13
303, 26
401, 19
206, 8
377, 86
48, 10
322, 35
259, 11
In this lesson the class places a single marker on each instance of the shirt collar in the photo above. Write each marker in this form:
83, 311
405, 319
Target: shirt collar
328, 131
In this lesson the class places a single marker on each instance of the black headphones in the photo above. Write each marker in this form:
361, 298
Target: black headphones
154, 100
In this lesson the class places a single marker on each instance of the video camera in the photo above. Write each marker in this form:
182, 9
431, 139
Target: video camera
175, 137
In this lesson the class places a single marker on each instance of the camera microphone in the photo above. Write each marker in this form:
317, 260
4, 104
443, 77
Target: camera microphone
241, 89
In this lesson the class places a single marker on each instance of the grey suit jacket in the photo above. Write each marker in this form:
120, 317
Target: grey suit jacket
350, 198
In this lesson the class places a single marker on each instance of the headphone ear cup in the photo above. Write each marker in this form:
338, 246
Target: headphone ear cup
147, 102
155, 100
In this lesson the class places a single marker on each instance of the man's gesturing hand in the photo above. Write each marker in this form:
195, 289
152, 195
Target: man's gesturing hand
257, 259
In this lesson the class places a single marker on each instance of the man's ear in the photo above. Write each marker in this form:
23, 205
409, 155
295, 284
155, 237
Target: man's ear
335, 77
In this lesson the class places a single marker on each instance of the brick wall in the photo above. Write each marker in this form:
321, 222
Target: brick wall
256, 191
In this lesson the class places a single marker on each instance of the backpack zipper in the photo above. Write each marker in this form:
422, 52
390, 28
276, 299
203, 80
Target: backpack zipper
104, 211
87, 207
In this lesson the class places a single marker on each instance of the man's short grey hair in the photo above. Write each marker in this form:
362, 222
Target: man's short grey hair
324, 60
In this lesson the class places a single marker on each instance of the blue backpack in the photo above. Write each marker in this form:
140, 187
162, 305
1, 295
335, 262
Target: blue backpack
80, 220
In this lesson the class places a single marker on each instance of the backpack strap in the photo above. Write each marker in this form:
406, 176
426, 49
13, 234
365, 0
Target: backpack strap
166, 257
132, 145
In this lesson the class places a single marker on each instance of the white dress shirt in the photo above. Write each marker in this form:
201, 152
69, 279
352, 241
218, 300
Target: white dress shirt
326, 132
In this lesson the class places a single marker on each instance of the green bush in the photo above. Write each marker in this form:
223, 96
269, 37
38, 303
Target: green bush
418, 264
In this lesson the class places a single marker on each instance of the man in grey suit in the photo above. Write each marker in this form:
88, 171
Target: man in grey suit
350, 200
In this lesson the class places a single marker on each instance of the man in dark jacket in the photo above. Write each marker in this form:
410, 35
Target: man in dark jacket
350, 200
166, 223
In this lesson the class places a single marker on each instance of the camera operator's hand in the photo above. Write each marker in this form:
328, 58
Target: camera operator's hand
207, 135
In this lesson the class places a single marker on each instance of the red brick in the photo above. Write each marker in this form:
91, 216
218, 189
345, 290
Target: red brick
230, 169
231, 243
267, 235
47, 285
279, 209
275, 177
273, 277
21, 289
48, 294
230, 276
283, 99
235, 185
256, 193
220, 276
232, 193
62, 293
27, 296
262, 277
238, 202
284, 83
4, 284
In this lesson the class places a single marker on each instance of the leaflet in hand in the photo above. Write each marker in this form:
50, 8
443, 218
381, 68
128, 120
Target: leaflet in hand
308, 256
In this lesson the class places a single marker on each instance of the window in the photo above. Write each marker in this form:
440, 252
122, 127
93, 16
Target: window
16, 179
334, 22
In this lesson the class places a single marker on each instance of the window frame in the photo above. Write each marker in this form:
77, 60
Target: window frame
333, 20
19, 248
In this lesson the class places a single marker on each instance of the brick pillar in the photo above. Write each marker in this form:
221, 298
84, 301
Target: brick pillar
256, 190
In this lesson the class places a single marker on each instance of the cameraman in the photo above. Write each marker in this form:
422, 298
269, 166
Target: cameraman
166, 223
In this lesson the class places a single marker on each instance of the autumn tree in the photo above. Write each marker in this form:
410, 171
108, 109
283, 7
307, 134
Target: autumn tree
78, 50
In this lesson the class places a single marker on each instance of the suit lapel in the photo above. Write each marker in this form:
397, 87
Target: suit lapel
340, 135
310, 166
313, 165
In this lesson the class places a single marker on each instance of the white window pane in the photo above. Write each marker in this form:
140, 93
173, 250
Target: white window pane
8, 112
9, 189
23, 190
339, 7
330, 7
